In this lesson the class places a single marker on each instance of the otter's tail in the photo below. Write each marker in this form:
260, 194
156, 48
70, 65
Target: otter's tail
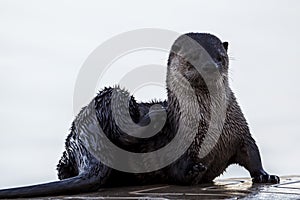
77, 184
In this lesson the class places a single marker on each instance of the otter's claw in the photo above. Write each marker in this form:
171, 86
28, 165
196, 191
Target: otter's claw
266, 179
196, 169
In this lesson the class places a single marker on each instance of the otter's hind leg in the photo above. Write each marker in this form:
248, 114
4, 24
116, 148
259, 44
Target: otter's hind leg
248, 156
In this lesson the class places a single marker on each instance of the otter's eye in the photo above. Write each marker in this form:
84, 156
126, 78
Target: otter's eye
219, 58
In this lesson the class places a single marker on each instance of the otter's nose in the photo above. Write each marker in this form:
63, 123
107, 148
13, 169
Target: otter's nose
210, 67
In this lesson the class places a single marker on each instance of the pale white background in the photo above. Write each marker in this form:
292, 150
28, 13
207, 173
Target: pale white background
43, 44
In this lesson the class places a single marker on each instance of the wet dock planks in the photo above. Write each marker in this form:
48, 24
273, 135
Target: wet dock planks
234, 188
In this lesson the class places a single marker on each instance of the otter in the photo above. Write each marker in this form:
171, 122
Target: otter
200, 104
198, 73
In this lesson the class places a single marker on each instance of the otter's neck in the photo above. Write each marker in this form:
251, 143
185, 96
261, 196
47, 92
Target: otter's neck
192, 100
196, 112
182, 98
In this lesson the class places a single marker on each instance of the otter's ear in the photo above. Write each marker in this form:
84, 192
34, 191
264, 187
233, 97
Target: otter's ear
225, 45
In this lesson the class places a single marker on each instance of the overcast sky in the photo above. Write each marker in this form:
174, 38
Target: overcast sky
43, 45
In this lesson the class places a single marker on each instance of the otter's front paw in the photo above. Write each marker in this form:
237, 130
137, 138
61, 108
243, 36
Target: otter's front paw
266, 179
193, 173
195, 169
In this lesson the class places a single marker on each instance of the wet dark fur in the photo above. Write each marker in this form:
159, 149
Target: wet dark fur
80, 171
235, 145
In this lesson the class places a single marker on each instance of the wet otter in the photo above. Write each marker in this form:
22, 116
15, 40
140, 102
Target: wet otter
222, 138
194, 100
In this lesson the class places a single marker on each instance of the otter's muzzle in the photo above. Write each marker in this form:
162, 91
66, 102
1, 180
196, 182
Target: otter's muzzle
209, 67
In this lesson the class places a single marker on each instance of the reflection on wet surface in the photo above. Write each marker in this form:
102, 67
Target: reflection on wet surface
234, 188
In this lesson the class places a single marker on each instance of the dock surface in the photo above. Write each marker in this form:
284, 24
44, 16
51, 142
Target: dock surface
234, 188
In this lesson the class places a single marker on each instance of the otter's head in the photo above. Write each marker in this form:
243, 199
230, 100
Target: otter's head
199, 57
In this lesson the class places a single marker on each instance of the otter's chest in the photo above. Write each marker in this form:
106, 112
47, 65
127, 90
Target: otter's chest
207, 118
